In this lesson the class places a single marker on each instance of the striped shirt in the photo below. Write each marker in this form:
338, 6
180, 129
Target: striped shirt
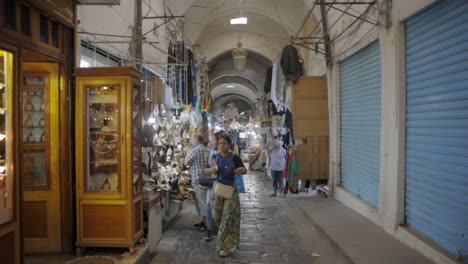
196, 160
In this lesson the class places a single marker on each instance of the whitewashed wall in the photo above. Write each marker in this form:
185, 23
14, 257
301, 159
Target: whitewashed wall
390, 212
118, 20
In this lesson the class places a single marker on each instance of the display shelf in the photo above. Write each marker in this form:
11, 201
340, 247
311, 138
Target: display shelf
105, 132
107, 162
34, 145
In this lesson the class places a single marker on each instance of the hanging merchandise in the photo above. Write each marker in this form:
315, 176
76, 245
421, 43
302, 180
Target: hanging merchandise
291, 172
291, 64
267, 85
179, 71
195, 119
278, 84
201, 101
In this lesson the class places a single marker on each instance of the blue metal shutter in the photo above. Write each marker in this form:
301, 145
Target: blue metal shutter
436, 201
360, 80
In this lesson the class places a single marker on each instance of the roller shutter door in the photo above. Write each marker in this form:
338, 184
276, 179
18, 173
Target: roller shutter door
360, 100
436, 200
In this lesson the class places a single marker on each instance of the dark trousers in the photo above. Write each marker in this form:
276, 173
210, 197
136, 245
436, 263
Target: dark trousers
277, 177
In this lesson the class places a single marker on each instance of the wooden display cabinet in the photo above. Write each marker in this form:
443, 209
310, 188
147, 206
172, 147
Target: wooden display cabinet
108, 157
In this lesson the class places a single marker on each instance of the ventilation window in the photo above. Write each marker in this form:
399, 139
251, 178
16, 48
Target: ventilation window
44, 25
55, 34
9, 13
25, 20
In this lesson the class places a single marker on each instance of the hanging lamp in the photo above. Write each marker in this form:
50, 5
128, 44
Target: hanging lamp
239, 56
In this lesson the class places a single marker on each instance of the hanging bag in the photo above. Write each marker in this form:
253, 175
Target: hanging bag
223, 190
240, 183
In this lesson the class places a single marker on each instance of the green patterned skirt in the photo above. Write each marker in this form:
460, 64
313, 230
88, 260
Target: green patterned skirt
226, 221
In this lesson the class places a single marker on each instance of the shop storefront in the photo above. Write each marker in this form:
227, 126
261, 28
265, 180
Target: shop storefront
36, 51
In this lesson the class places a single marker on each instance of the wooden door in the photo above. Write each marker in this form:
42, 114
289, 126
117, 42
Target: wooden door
39, 157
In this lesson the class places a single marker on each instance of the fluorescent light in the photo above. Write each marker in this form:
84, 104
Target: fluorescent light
230, 86
239, 21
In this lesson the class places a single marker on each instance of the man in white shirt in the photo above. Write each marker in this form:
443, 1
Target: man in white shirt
277, 164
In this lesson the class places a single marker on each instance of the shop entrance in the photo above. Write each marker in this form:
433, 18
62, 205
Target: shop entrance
39, 157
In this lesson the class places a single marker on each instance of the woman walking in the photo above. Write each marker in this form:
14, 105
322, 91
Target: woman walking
226, 212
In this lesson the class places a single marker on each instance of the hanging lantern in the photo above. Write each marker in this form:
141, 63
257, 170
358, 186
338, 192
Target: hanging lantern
239, 56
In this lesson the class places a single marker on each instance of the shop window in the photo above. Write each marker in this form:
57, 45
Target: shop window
55, 34
44, 27
25, 20
9, 13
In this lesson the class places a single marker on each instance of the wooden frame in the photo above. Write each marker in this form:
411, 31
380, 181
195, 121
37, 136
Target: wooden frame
13, 227
27, 48
96, 209
31, 87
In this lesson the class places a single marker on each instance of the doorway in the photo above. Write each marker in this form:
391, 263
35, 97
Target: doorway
39, 157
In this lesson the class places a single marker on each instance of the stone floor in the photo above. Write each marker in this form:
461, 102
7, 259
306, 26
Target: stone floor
271, 232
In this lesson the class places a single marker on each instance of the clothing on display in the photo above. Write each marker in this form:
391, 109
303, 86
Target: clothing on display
277, 86
291, 172
267, 86
290, 64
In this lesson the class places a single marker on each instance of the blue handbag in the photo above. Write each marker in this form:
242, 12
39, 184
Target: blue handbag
239, 183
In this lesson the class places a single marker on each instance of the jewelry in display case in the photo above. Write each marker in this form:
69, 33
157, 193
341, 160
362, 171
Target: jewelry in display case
108, 169
102, 139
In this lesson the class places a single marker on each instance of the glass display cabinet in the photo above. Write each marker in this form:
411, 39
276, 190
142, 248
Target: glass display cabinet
108, 152
6, 138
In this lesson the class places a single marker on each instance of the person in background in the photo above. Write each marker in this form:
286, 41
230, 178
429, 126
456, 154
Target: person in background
277, 164
212, 162
196, 160
226, 212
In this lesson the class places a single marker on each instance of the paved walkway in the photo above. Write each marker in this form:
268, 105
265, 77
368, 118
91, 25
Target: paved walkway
358, 238
271, 232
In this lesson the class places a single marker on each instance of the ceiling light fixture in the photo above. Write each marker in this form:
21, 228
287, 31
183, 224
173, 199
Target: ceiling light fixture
239, 21
230, 86
239, 55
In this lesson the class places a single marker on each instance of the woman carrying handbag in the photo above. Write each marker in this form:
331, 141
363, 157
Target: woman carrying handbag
225, 204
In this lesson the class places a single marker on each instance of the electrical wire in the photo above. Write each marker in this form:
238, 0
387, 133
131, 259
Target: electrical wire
305, 18
350, 25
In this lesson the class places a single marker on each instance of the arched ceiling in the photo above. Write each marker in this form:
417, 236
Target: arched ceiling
248, 83
271, 23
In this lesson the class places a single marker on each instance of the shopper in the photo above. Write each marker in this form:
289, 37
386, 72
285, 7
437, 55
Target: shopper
277, 164
226, 212
207, 182
196, 160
